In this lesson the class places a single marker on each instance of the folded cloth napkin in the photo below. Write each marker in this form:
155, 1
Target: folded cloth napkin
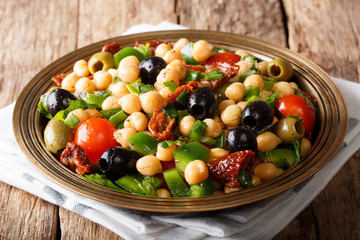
260, 220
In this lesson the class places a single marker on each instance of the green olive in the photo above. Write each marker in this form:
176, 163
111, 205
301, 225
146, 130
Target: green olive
289, 128
101, 61
56, 135
280, 69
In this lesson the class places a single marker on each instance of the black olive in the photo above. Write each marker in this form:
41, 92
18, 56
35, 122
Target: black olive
58, 100
257, 115
202, 103
150, 68
116, 162
241, 138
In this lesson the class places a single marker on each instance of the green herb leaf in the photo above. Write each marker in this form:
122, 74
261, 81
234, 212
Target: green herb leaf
42, 108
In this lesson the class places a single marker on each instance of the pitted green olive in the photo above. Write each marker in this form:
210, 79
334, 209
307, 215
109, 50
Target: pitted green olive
101, 61
280, 69
289, 128
56, 135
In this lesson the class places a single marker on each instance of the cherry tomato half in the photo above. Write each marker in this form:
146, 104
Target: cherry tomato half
95, 136
297, 106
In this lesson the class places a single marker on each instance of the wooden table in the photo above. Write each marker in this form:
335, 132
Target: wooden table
35, 33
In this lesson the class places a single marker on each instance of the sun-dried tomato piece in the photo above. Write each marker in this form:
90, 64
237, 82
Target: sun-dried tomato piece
111, 48
153, 45
58, 79
75, 158
228, 166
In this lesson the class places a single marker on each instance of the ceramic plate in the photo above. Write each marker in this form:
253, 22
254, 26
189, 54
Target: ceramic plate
331, 125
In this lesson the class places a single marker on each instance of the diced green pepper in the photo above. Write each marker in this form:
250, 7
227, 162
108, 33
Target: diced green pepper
143, 144
118, 118
176, 183
245, 178
186, 53
131, 183
102, 180
197, 130
182, 99
171, 85
71, 121
170, 111
205, 188
283, 158
192, 75
189, 152
213, 75
127, 51
208, 140
220, 141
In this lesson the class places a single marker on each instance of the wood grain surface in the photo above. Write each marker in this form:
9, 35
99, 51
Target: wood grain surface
34, 33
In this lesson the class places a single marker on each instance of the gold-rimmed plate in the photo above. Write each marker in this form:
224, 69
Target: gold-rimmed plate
331, 125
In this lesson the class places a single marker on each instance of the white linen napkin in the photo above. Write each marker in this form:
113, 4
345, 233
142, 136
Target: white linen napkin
260, 220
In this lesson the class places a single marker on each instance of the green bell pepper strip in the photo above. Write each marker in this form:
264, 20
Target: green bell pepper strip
108, 113
189, 152
205, 188
118, 118
251, 91
192, 75
283, 158
182, 114
245, 178
186, 53
143, 144
208, 141
220, 141
144, 49
182, 99
170, 111
213, 75
197, 130
149, 185
176, 183
103, 181
71, 121
127, 51
132, 183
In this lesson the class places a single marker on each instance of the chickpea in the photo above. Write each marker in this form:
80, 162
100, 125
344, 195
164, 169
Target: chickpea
255, 180
165, 154
129, 73
285, 89
224, 104
182, 42
84, 84
163, 193
304, 147
136, 120
81, 68
166, 75
162, 49
186, 124
165, 92
172, 55
114, 73
80, 114
262, 67
202, 50
149, 165
119, 89
218, 119
129, 60
235, 91
216, 153
231, 115
102, 79
244, 66
110, 102
242, 104
265, 171
93, 113
69, 82
232, 189
179, 67
150, 100
130, 103
196, 172
267, 141
213, 129
264, 95
294, 85
121, 136
254, 81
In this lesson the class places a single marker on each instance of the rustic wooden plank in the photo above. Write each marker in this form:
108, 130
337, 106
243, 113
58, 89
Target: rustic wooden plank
33, 35
327, 33
247, 17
